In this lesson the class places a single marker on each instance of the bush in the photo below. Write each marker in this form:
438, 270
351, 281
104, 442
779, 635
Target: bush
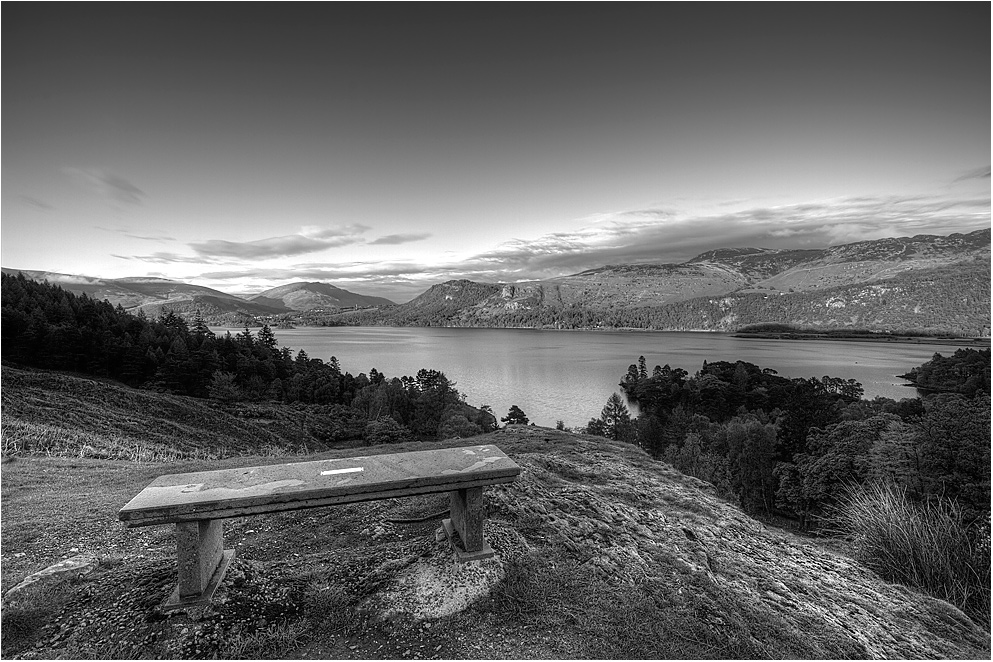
385, 430
926, 546
457, 426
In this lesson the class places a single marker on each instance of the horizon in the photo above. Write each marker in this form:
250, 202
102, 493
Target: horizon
385, 153
87, 278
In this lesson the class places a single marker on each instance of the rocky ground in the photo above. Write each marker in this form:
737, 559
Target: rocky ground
603, 552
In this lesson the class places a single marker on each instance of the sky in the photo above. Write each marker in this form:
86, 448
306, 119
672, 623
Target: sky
385, 148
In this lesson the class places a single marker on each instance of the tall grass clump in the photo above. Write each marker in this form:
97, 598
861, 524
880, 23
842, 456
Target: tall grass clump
926, 545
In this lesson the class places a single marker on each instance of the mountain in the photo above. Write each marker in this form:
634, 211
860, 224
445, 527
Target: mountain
602, 552
154, 295
925, 283
315, 296
150, 294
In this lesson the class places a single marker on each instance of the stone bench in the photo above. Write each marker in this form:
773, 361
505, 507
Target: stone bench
198, 502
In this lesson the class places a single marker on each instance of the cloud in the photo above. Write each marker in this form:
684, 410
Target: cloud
107, 184
662, 236
163, 237
163, 258
130, 235
978, 173
36, 204
393, 239
310, 240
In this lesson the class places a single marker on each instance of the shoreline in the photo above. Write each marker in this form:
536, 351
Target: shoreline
912, 340
980, 342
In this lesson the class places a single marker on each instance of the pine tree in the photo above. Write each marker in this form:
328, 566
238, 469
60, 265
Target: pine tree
267, 338
515, 416
617, 419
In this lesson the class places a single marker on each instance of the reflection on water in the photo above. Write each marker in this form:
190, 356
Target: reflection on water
568, 375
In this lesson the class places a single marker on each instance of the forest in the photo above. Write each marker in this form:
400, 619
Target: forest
46, 327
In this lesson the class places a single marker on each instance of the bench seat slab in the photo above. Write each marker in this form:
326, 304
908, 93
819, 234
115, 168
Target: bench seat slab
250, 490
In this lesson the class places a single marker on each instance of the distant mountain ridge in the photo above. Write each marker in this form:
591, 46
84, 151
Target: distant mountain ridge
926, 283
154, 295
305, 296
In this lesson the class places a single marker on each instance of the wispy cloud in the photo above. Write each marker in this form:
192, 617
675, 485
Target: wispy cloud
36, 204
107, 184
654, 235
393, 239
310, 240
163, 257
127, 233
978, 173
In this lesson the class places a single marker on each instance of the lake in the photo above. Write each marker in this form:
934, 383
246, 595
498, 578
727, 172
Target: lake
568, 375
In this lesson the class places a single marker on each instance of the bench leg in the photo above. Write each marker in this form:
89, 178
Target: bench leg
201, 561
466, 519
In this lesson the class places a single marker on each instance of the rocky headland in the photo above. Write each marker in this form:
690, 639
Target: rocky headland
603, 552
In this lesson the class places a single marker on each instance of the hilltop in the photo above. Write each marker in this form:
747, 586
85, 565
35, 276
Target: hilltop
311, 296
604, 552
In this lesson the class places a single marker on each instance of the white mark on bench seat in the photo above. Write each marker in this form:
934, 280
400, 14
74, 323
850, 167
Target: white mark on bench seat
478, 465
159, 492
342, 471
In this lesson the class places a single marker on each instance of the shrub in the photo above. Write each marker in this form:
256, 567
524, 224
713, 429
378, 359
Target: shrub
385, 430
927, 545
457, 426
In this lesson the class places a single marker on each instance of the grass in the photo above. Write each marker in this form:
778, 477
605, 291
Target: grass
926, 546
54, 414
22, 621
272, 643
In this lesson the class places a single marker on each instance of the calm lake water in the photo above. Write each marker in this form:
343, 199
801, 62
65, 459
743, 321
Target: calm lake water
568, 375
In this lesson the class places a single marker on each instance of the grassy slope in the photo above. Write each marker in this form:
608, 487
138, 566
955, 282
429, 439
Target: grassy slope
604, 553
53, 413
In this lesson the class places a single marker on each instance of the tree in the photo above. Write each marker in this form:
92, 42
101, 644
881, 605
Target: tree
515, 416
223, 387
838, 457
200, 330
617, 419
267, 338
953, 438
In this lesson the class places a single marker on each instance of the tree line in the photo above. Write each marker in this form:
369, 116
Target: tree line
45, 326
794, 446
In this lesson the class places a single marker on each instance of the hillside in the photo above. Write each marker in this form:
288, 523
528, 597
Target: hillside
603, 553
52, 413
311, 296
156, 295
925, 283
153, 295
